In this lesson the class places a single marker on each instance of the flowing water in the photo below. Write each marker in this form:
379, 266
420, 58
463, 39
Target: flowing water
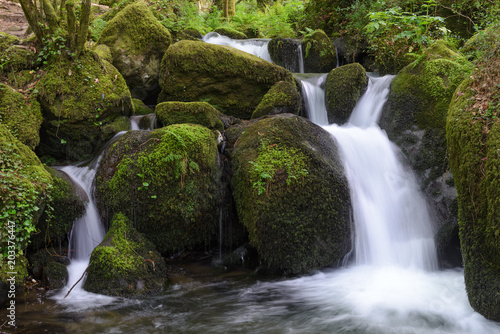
257, 46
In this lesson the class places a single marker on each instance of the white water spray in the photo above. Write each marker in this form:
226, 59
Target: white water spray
257, 47
314, 98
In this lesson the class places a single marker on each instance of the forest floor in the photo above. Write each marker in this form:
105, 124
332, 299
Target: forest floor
12, 18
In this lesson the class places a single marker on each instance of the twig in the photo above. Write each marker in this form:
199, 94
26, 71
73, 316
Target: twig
77, 281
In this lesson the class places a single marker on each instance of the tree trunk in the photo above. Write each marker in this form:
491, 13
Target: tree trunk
84, 26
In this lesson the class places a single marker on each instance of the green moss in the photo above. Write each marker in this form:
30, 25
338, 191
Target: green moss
140, 108
319, 53
78, 99
344, 86
136, 30
22, 117
473, 136
231, 80
191, 112
14, 57
284, 52
24, 185
55, 275
283, 97
482, 43
104, 52
121, 123
125, 263
230, 32
290, 193
167, 181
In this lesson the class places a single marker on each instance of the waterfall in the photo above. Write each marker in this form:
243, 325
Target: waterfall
256, 46
300, 58
314, 97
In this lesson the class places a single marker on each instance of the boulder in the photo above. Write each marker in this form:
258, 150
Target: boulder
344, 86
285, 52
55, 275
291, 193
473, 141
319, 53
22, 117
282, 98
79, 99
233, 81
125, 263
137, 41
189, 112
415, 117
167, 181
230, 32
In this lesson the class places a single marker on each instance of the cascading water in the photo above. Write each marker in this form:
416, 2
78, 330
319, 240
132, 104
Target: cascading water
314, 97
257, 47
300, 58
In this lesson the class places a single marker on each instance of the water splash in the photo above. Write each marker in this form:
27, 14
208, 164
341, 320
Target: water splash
257, 47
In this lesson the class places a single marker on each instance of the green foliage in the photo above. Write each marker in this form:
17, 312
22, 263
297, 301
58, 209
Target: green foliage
54, 47
96, 27
273, 160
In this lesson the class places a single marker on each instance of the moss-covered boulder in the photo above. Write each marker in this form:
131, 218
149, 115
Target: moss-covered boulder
125, 263
319, 53
15, 55
481, 43
138, 42
189, 112
473, 138
167, 181
24, 185
285, 52
415, 117
282, 98
140, 108
104, 52
230, 32
79, 99
291, 193
22, 117
233, 81
55, 275
344, 86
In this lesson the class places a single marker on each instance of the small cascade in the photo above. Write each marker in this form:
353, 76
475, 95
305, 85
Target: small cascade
257, 47
300, 58
314, 97
143, 122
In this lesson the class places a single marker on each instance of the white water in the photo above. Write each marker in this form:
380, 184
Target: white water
257, 47
301, 58
137, 122
314, 98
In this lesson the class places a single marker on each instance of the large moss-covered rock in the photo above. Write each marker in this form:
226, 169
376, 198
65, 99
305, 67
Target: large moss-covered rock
24, 185
473, 138
291, 193
230, 32
415, 117
285, 52
481, 43
79, 98
22, 117
167, 182
137, 42
15, 55
55, 275
344, 86
231, 80
125, 263
189, 112
282, 98
319, 53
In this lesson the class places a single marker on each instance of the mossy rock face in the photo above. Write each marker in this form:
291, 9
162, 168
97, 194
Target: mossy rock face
319, 53
233, 81
79, 98
481, 43
23, 118
231, 33
415, 117
24, 185
473, 138
344, 86
14, 55
104, 52
284, 52
125, 263
67, 206
282, 98
189, 112
167, 181
140, 108
291, 193
137, 42
55, 275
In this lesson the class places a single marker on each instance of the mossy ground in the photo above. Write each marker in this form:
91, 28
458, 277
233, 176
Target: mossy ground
231, 80
125, 263
167, 182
